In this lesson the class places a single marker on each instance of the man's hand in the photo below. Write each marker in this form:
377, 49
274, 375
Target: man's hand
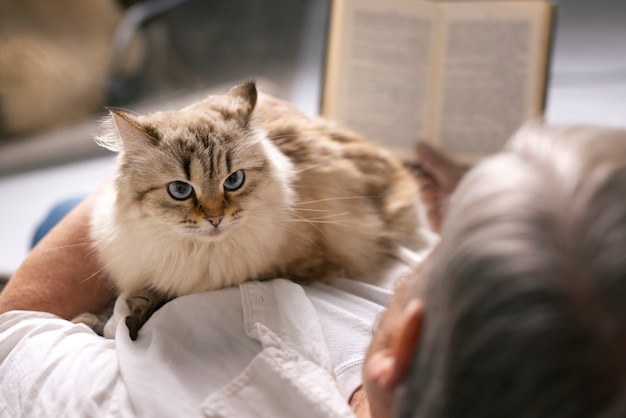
438, 177
62, 274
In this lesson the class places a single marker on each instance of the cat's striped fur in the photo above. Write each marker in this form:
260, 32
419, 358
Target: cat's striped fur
317, 201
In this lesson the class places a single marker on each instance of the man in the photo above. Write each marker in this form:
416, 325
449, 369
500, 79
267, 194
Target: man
521, 310
498, 322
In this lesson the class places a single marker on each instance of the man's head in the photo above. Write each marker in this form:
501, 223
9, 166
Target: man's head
522, 311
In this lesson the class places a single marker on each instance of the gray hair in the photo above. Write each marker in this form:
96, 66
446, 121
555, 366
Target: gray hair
525, 302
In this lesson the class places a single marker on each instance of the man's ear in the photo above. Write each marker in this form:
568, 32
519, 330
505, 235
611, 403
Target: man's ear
405, 339
386, 368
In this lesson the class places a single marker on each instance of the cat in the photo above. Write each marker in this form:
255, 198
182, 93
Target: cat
228, 190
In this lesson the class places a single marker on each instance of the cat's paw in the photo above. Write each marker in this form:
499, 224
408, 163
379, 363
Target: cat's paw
134, 322
142, 305
95, 322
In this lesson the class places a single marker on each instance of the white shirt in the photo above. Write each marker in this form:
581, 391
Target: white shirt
268, 349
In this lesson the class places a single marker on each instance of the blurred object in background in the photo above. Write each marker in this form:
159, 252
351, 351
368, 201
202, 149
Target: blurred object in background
54, 61
63, 60
192, 44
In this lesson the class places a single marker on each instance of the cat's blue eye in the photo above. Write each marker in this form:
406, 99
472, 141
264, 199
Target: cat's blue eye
234, 181
180, 190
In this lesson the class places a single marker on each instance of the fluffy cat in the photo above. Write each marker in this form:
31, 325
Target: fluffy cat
228, 190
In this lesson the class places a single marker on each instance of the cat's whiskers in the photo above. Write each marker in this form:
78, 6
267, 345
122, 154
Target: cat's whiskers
332, 215
95, 243
329, 199
257, 224
304, 169
324, 219
313, 222
311, 210
75, 245
97, 272
316, 221
285, 210
263, 221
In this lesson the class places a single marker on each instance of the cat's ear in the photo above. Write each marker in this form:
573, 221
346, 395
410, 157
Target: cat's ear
125, 132
246, 94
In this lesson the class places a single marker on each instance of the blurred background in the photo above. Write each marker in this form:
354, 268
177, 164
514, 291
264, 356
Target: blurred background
61, 62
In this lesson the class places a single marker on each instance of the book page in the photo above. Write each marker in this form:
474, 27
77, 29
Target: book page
494, 65
378, 70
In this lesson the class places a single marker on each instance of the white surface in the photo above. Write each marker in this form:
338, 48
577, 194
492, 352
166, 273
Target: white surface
603, 105
588, 81
261, 341
27, 198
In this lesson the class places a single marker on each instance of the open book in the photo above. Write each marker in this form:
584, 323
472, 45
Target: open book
460, 75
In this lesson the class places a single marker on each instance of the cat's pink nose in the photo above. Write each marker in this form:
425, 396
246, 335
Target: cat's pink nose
215, 220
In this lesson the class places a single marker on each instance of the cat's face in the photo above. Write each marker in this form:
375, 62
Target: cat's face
201, 172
